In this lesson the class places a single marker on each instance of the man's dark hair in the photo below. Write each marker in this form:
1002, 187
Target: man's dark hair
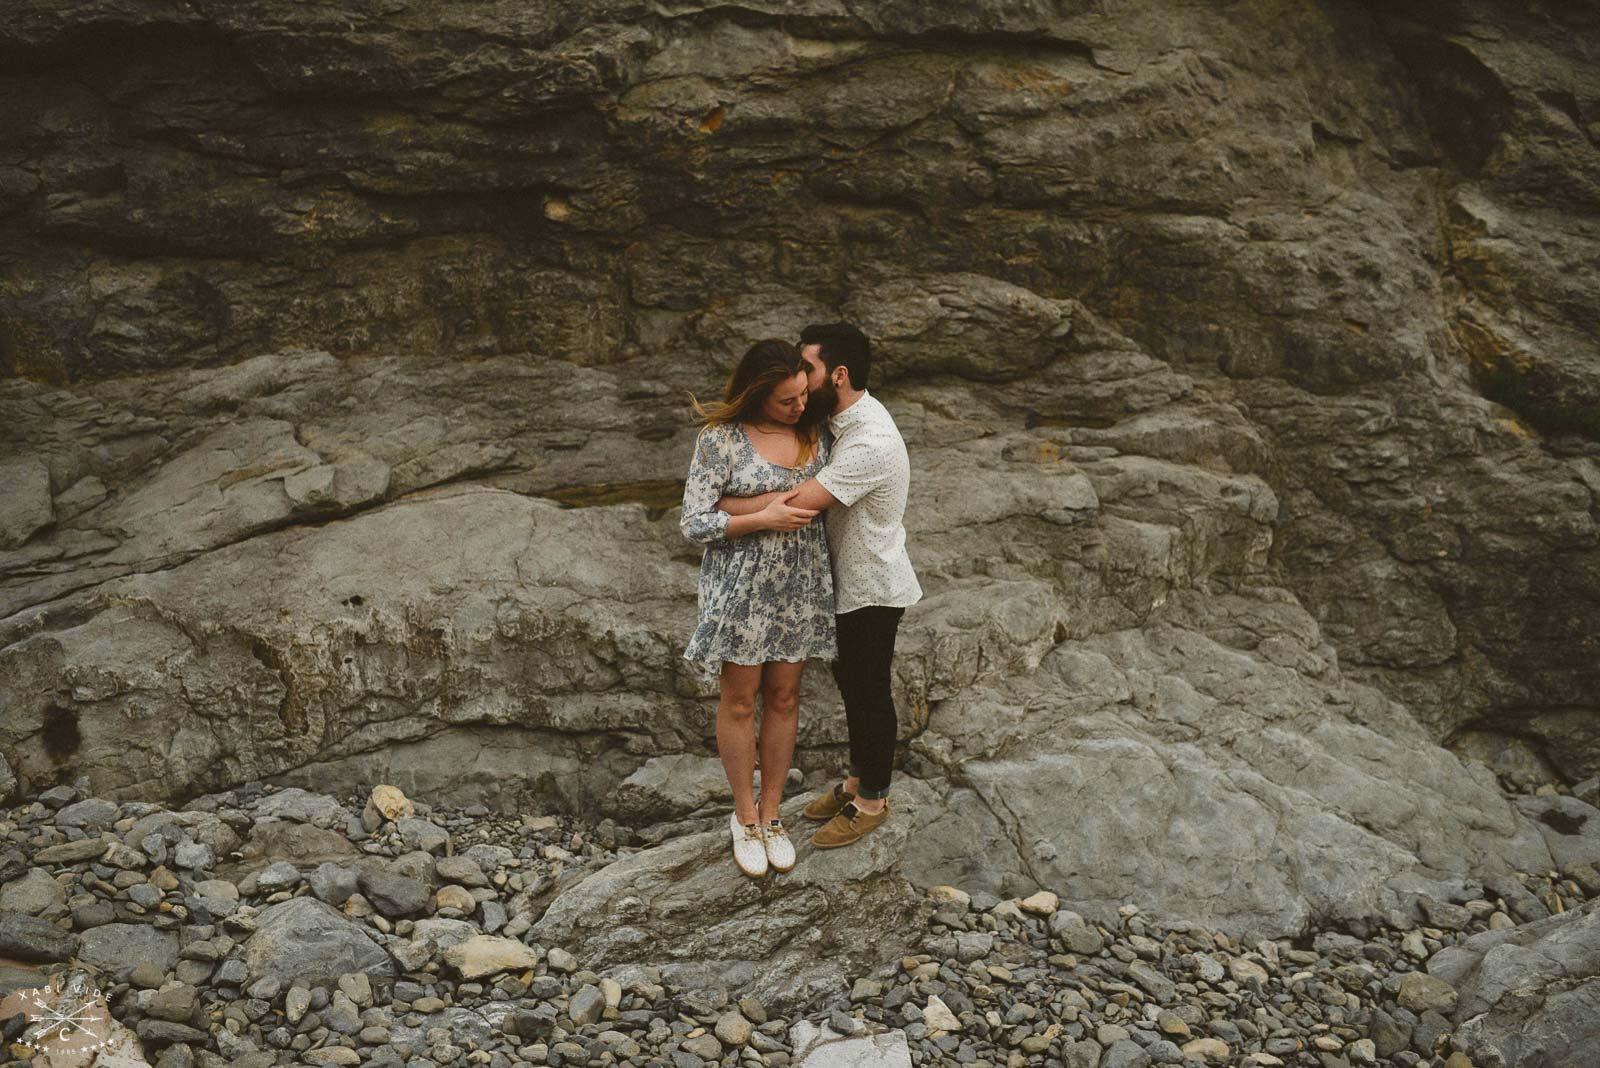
842, 345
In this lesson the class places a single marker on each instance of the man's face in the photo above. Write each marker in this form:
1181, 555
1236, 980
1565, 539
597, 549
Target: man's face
816, 373
824, 394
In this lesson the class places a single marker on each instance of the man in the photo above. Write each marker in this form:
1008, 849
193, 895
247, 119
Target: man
865, 483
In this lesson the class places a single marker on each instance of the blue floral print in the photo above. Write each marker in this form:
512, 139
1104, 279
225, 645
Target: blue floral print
768, 595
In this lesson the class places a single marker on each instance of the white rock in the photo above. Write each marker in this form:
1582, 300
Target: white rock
1207, 1050
391, 803
818, 1047
938, 1017
485, 955
1044, 903
1243, 971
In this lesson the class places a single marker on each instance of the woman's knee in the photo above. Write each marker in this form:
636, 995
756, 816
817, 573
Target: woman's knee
780, 700
738, 706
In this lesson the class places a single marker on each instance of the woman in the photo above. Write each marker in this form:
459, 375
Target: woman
766, 589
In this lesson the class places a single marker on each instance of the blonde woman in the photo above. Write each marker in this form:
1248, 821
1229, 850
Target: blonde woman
766, 587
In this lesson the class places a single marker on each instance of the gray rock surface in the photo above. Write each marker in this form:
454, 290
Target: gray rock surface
676, 907
124, 945
1249, 387
25, 487
669, 786
1530, 996
305, 939
29, 938
33, 893
820, 1047
953, 975
1099, 683
302, 807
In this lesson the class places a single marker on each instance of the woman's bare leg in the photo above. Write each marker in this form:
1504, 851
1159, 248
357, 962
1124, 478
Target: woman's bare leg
780, 721
736, 734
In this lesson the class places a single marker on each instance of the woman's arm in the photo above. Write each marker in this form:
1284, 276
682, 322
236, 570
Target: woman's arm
708, 474
746, 505
740, 525
811, 496
702, 522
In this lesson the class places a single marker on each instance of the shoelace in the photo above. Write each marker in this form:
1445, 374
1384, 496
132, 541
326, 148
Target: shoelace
776, 830
752, 830
851, 819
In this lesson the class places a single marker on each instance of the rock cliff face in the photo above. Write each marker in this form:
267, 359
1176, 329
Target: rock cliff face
1245, 355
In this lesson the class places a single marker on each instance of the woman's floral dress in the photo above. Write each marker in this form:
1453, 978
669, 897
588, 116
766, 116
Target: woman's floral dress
767, 595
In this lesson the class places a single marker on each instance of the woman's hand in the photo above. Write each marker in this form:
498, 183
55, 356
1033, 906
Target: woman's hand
780, 515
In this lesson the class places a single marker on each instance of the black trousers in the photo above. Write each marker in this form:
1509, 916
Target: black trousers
866, 649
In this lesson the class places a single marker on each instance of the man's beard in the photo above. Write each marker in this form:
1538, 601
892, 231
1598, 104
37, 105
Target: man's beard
820, 404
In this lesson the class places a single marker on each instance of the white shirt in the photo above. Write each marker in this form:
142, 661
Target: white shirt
869, 474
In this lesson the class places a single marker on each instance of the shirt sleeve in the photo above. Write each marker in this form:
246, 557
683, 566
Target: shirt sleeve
854, 469
708, 475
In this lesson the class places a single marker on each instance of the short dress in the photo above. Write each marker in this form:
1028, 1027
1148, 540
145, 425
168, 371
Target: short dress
767, 595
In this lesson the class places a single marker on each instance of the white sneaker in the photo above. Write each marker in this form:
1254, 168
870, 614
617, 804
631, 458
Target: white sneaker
749, 851
780, 851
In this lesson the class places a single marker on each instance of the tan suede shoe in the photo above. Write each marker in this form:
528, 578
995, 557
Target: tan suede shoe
850, 824
826, 806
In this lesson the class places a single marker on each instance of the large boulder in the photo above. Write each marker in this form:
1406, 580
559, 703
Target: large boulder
303, 938
1528, 997
667, 786
685, 908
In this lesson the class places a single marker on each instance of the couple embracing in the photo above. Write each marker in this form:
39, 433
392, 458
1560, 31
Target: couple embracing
798, 491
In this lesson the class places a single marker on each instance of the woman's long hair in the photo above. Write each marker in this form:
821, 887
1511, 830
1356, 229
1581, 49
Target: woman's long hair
760, 370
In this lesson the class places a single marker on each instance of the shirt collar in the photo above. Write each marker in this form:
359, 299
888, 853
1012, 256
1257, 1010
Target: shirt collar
853, 414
